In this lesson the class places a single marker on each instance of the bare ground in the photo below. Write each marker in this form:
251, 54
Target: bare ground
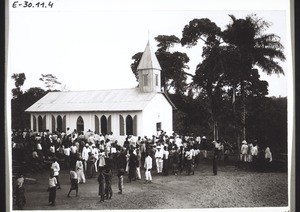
232, 187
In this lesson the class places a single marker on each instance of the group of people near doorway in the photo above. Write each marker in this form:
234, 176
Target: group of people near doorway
91, 154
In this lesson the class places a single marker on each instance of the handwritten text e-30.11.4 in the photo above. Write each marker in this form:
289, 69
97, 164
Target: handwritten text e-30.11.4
27, 4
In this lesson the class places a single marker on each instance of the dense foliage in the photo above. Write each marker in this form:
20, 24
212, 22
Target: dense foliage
226, 98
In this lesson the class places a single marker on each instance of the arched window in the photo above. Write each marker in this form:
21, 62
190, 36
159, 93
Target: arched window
80, 125
34, 123
103, 125
40, 124
53, 123
121, 125
96, 124
44, 123
129, 125
59, 125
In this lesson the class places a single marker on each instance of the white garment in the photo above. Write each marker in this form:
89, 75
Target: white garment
52, 182
56, 168
67, 151
254, 151
79, 171
73, 149
148, 167
148, 163
85, 153
268, 154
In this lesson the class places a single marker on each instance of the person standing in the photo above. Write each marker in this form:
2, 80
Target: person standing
188, 157
166, 161
268, 154
215, 162
79, 170
73, 155
244, 151
20, 192
101, 181
174, 160
52, 189
90, 165
85, 155
120, 180
138, 164
56, 168
108, 177
148, 167
74, 182
95, 152
159, 154
67, 153
132, 164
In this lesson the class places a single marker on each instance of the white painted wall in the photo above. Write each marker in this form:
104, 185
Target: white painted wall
158, 110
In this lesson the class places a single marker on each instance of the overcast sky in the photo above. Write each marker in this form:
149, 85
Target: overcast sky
88, 45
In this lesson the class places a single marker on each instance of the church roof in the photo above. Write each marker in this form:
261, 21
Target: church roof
99, 100
149, 59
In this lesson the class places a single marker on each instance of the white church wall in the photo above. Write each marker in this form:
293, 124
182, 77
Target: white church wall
158, 110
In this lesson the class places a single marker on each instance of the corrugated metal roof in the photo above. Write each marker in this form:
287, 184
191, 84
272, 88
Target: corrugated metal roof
101, 100
149, 59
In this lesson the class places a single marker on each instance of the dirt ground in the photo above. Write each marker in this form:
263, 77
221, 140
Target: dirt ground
232, 187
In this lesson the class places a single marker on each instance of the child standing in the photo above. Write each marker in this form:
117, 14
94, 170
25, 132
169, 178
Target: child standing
101, 181
108, 176
74, 182
148, 167
120, 177
52, 189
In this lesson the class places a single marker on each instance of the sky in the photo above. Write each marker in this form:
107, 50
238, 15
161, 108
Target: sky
88, 44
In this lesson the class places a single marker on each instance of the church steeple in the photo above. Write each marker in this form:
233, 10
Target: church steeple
149, 71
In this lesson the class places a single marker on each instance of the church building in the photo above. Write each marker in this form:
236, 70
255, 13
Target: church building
139, 111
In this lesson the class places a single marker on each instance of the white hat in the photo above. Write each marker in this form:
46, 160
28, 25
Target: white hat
203, 137
244, 142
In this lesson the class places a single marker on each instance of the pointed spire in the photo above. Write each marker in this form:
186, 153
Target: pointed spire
149, 59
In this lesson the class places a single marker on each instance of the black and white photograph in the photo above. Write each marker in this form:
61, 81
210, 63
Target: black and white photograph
149, 105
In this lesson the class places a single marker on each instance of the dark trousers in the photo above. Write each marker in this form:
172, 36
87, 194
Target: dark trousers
215, 165
58, 184
52, 195
108, 190
67, 161
166, 166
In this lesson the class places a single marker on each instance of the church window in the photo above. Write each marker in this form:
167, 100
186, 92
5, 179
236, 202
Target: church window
121, 125
129, 125
41, 123
103, 125
59, 124
80, 125
158, 126
145, 79
156, 79
34, 123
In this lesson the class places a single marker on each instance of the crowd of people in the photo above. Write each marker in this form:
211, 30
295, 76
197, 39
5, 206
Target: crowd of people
89, 154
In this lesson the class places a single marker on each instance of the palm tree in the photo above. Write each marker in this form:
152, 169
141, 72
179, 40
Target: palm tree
254, 49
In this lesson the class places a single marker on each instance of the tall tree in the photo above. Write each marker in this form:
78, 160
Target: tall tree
19, 81
254, 49
209, 74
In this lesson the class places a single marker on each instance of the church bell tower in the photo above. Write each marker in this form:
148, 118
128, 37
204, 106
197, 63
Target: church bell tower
149, 71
